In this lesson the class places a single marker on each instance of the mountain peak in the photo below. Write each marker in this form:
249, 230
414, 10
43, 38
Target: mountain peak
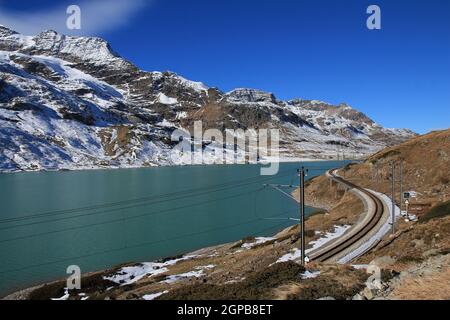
251, 95
49, 32
87, 49
6, 32
84, 48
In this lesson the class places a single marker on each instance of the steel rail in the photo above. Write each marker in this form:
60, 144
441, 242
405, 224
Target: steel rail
359, 232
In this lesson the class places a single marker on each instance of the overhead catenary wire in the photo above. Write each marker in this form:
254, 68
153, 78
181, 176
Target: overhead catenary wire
131, 246
188, 195
132, 206
154, 197
158, 198
151, 242
124, 219
283, 192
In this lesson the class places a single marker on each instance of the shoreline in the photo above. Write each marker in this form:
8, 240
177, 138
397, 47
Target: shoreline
100, 168
23, 294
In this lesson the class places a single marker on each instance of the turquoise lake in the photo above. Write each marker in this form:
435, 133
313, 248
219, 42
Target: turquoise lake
100, 218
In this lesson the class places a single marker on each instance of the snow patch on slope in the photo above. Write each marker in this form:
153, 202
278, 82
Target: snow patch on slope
162, 98
295, 253
129, 275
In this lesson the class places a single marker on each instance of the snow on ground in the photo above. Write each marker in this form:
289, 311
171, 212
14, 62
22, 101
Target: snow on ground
329, 236
210, 266
166, 123
310, 275
385, 229
83, 296
182, 276
162, 98
154, 295
181, 115
198, 273
196, 86
64, 297
292, 256
408, 216
129, 275
360, 266
295, 253
413, 194
235, 280
258, 241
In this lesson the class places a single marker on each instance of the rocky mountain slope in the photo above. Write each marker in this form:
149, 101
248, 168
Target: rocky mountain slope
72, 103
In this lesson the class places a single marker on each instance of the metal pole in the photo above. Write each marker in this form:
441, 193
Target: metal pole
302, 214
407, 207
401, 186
393, 197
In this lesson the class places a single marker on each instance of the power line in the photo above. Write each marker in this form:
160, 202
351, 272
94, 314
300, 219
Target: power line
96, 213
93, 207
123, 208
100, 206
131, 247
122, 219
146, 203
125, 218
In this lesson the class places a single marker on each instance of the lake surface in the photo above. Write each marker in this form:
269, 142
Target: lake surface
101, 218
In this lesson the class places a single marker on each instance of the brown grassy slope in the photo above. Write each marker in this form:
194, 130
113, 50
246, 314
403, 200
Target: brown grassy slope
433, 285
321, 193
426, 168
346, 212
337, 281
414, 243
342, 207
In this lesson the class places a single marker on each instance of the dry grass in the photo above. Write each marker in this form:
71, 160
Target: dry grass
337, 281
342, 207
415, 244
432, 287
321, 193
426, 168
257, 286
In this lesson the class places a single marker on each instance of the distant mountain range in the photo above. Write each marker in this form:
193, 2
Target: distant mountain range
73, 103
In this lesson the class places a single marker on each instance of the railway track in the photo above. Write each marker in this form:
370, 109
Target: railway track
356, 233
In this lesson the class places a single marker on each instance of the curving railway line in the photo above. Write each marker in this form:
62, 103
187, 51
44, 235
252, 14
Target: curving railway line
354, 236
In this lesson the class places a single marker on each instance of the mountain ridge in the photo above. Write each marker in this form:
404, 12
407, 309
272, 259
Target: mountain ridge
121, 116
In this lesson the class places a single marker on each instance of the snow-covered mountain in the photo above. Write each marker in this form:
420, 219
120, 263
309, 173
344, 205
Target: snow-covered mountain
72, 102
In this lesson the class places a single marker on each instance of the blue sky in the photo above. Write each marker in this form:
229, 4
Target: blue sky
312, 49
